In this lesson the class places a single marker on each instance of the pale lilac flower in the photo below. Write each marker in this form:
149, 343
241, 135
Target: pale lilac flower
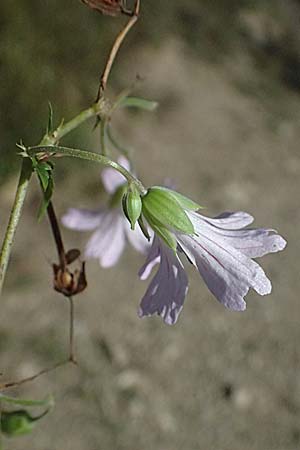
221, 249
111, 228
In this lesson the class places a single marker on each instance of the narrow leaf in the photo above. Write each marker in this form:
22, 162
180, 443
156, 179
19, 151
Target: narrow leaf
50, 118
139, 103
46, 199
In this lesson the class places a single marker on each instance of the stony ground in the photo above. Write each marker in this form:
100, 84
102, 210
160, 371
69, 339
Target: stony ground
217, 380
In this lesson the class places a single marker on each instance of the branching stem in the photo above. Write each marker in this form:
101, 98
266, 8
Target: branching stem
25, 175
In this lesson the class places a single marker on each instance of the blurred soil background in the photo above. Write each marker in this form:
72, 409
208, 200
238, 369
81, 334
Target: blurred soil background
227, 77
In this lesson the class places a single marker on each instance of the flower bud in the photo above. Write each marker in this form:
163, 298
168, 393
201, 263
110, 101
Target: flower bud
132, 206
16, 423
162, 209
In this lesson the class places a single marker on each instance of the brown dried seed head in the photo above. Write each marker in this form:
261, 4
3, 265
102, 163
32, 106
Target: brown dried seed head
110, 7
69, 283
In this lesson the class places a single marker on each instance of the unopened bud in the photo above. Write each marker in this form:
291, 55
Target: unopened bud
16, 423
132, 206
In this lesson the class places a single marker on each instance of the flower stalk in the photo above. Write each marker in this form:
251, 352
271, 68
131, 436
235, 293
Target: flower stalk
54, 150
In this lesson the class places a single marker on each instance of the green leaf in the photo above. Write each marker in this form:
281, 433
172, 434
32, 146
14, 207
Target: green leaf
162, 209
43, 171
47, 197
50, 118
139, 103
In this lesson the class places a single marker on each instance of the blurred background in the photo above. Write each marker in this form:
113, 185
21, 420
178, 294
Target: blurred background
227, 77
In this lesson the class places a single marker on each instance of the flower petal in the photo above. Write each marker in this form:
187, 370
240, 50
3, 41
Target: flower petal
253, 243
230, 220
107, 243
82, 219
153, 258
168, 288
227, 272
112, 179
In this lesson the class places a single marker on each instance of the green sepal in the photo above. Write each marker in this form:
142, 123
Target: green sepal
161, 208
132, 206
143, 228
165, 235
118, 196
185, 202
19, 422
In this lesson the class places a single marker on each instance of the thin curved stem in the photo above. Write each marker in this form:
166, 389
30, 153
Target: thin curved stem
12, 384
116, 47
89, 156
71, 336
103, 127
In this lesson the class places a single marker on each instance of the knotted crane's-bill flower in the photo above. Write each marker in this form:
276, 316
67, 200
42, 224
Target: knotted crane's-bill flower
111, 227
220, 248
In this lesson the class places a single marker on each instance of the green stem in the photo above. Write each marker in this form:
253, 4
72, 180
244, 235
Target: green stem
97, 109
26, 170
116, 144
47, 402
89, 156
15, 214
103, 127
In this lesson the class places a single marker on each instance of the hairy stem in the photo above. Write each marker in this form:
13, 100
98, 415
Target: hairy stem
89, 156
15, 214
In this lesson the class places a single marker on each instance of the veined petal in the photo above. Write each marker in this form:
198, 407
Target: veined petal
230, 220
82, 219
227, 272
136, 237
253, 243
112, 179
107, 243
168, 288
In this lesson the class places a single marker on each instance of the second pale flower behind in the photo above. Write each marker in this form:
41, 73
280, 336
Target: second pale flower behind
111, 228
